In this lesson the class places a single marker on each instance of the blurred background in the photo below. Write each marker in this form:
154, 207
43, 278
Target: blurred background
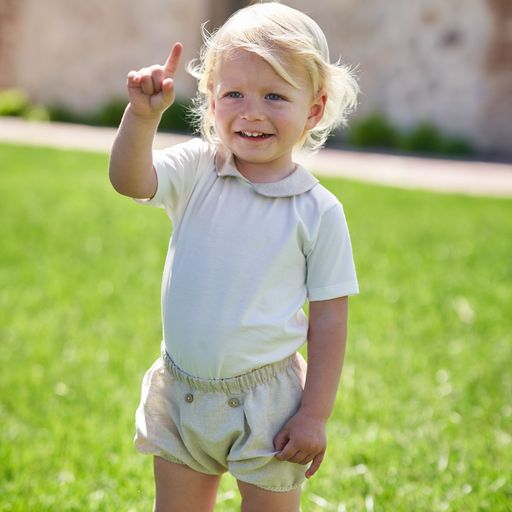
436, 75
423, 420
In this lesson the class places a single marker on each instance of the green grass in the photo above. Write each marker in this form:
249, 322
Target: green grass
423, 420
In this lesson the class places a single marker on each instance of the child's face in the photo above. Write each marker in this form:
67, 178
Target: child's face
259, 116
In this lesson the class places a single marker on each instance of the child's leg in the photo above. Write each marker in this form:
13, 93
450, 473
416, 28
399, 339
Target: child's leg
255, 499
181, 489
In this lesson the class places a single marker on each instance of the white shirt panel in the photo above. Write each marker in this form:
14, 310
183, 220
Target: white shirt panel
241, 264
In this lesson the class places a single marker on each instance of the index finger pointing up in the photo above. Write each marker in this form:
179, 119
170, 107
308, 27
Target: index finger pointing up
172, 61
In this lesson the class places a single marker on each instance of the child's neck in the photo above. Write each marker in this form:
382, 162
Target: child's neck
259, 173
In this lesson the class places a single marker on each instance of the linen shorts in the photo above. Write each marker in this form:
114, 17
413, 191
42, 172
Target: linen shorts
214, 426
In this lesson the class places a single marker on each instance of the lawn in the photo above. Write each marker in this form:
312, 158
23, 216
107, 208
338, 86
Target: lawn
423, 420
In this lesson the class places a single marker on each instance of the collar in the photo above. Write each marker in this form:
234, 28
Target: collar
298, 182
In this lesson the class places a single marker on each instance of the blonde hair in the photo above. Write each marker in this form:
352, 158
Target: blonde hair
286, 38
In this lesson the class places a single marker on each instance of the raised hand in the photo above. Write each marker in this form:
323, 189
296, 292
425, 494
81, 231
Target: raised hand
151, 89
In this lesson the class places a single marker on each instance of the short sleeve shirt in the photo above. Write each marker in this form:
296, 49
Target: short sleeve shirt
243, 259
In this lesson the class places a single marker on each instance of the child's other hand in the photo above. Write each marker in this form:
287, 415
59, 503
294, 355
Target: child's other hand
151, 90
302, 440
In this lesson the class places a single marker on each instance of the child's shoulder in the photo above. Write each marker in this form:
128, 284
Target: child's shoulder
321, 198
194, 156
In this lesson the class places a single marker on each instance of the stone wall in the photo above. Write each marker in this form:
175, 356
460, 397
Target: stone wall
9, 30
78, 52
496, 111
445, 61
417, 60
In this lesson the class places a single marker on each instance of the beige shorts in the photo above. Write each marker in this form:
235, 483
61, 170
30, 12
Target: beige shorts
214, 426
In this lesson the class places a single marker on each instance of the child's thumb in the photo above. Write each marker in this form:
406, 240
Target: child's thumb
168, 91
163, 100
281, 440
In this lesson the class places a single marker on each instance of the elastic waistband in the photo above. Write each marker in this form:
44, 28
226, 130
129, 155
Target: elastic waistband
238, 384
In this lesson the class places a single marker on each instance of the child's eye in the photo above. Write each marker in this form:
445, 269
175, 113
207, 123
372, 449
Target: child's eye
273, 96
233, 94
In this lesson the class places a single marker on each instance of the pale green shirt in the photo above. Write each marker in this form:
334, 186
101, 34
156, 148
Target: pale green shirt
243, 259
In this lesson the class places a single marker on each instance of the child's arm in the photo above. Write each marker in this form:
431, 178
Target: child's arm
302, 440
151, 92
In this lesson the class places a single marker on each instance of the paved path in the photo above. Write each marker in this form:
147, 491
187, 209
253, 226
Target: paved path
471, 178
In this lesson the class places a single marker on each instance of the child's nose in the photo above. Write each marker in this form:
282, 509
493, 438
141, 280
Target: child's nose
252, 111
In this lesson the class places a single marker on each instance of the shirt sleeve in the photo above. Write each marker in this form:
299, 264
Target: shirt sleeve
177, 169
330, 264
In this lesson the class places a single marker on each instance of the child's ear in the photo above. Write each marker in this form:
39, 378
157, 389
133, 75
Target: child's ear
316, 110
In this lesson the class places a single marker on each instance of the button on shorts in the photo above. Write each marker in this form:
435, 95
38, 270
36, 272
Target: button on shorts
214, 426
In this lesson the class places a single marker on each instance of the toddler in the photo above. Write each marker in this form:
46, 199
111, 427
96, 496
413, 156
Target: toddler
255, 236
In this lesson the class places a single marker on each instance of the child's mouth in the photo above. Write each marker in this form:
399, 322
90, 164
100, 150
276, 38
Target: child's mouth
254, 135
